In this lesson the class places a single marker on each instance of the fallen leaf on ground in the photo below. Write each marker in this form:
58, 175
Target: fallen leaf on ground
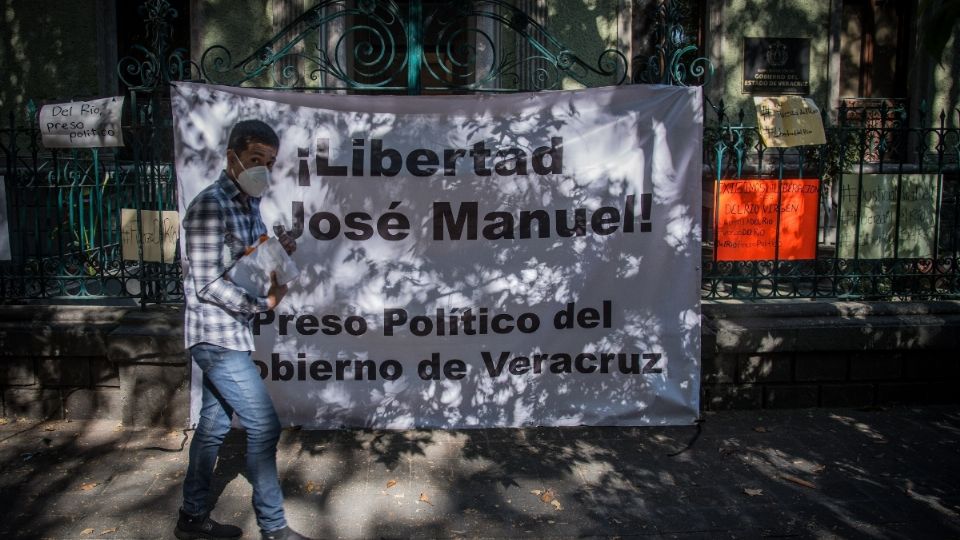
753, 492
86, 531
547, 496
108, 531
424, 498
799, 481
391, 483
87, 486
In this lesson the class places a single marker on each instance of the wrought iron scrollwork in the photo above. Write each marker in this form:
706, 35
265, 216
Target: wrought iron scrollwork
371, 51
456, 60
150, 67
673, 46
376, 56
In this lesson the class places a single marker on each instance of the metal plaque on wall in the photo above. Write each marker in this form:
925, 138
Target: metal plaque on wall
776, 65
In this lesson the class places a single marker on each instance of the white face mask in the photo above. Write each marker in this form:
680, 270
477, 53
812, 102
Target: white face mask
253, 181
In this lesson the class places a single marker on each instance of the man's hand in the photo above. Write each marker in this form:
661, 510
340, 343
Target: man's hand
287, 241
276, 292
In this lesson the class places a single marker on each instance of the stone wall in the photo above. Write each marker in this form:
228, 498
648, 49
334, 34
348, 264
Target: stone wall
82, 363
127, 364
830, 354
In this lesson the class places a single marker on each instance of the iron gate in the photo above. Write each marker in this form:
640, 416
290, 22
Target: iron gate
63, 205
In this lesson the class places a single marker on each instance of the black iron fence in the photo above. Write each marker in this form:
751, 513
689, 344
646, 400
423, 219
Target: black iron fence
879, 219
881, 204
64, 211
879, 198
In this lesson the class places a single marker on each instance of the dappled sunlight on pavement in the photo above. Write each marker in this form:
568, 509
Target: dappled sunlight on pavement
890, 473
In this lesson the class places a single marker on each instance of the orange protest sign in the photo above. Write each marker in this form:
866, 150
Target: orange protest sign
748, 212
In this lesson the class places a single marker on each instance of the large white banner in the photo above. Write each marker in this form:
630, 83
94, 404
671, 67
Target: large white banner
475, 261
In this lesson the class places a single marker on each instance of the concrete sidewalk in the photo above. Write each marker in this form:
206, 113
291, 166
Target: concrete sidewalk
891, 473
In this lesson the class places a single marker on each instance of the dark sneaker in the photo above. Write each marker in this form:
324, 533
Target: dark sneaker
197, 527
285, 533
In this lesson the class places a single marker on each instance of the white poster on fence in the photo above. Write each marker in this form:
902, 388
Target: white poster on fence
474, 261
82, 124
892, 206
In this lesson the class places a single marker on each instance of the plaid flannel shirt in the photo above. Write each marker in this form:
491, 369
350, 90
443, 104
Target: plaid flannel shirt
218, 225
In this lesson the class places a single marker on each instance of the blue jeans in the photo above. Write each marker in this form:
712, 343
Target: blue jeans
232, 384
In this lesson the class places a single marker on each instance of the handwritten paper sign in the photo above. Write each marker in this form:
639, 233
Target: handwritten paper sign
786, 121
82, 124
880, 216
748, 212
160, 234
4, 226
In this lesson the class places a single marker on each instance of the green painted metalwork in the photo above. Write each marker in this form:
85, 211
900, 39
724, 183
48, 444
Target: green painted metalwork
673, 45
414, 47
149, 67
65, 225
297, 58
65, 228
64, 205
871, 139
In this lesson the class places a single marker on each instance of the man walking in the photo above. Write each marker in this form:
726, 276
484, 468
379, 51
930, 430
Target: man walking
219, 225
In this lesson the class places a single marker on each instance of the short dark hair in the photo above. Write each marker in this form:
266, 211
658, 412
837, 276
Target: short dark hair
245, 132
